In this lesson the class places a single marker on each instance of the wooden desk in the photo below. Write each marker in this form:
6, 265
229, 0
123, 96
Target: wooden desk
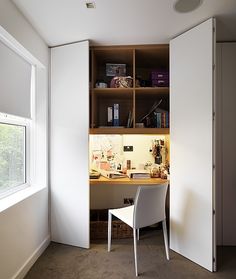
127, 181
110, 193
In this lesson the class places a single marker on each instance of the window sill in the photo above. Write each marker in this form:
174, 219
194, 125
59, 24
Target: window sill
19, 196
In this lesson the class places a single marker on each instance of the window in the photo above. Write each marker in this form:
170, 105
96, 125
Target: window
17, 93
15, 83
13, 154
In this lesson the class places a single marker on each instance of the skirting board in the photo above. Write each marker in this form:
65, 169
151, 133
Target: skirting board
20, 274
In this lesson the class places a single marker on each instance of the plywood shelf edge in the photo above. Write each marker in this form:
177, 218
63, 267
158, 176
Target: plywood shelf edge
114, 130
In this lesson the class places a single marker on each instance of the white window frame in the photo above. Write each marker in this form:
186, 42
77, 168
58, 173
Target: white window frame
11, 120
13, 198
29, 140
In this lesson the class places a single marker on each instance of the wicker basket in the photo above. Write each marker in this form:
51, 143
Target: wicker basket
121, 230
98, 230
99, 226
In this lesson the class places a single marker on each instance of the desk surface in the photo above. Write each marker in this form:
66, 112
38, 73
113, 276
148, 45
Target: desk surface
133, 181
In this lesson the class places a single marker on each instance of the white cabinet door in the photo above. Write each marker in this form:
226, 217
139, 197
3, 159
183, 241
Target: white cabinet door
69, 144
228, 85
192, 144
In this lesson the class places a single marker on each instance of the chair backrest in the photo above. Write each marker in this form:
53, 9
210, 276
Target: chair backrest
149, 205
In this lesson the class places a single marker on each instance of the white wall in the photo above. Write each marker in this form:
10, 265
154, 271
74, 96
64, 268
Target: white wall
24, 229
142, 145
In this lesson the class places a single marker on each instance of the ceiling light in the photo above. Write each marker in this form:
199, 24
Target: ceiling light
90, 5
185, 6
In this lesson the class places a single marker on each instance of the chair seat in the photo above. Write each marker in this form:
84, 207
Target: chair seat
125, 214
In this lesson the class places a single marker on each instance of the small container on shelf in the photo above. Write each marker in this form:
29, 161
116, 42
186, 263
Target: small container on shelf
160, 78
139, 125
101, 84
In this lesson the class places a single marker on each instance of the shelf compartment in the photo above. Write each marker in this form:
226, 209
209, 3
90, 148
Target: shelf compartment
107, 98
149, 59
117, 55
152, 57
145, 99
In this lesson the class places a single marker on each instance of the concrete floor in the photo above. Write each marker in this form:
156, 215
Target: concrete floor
67, 262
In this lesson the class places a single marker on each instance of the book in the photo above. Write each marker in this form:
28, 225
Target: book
130, 120
161, 119
109, 116
158, 119
138, 174
167, 120
112, 174
116, 115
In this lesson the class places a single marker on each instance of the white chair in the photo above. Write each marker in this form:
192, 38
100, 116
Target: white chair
148, 209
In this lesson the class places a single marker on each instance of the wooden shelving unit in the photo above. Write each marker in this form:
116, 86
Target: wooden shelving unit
139, 61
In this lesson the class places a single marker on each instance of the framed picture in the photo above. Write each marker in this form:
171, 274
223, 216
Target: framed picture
115, 70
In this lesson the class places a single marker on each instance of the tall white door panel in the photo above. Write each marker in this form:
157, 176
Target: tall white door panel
192, 144
69, 144
228, 85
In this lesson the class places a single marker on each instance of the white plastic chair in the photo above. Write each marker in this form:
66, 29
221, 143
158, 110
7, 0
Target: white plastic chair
148, 209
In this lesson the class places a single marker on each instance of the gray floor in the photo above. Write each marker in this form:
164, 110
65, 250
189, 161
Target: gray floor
67, 262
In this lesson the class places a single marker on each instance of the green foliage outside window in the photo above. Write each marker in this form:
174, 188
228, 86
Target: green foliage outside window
12, 156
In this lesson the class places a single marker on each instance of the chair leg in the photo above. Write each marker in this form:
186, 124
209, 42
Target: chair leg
109, 230
165, 239
135, 252
138, 233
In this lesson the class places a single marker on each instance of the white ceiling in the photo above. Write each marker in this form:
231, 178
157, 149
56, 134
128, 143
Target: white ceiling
123, 21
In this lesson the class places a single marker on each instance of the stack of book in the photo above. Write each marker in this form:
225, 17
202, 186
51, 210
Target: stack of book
113, 115
138, 174
93, 174
161, 119
112, 174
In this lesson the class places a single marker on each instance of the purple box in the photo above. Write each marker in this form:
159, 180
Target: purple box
159, 75
160, 82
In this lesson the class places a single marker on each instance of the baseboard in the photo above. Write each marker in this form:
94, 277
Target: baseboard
20, 274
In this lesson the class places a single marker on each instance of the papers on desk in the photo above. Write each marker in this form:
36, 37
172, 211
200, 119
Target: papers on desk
138, 174
93, 174
135, 174
112, 174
